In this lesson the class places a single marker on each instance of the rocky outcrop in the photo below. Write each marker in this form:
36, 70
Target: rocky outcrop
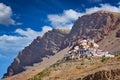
96, 26
104, 75
118, 33
41, 47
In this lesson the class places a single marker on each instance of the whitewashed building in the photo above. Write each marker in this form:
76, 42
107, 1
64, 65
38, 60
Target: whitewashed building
86, 48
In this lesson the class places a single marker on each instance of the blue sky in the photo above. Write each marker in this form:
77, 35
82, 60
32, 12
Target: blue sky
23, 20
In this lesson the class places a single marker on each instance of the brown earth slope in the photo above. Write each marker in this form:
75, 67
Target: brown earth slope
83, 69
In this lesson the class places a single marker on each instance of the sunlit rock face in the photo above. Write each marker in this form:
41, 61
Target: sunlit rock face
97, 26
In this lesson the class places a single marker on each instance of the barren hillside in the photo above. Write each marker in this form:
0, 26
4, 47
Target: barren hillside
84, 69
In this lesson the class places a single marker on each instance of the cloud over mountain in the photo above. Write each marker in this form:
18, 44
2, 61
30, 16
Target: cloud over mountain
106, 7
66, 19
16, 43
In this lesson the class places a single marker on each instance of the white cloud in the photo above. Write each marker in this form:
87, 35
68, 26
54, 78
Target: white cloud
16, 43
66, 19
106, 7
5, 15
31, 33
45, 29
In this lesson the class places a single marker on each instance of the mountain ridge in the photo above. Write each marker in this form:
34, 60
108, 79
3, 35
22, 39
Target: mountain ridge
41, 47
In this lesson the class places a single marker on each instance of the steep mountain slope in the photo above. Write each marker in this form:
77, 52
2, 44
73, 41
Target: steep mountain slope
111, 43
97, 26
102, 26
48, 45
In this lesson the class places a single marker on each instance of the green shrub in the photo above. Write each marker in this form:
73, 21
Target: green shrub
104, 59
117, 56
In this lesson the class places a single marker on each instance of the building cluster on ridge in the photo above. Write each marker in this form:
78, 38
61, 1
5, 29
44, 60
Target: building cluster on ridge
86, 47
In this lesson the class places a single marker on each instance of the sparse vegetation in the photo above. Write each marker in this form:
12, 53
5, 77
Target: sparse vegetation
40, 75
104, 59
117, 56
56, 64
60, 69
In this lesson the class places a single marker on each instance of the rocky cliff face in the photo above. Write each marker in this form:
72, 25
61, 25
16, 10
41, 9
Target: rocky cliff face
41, 47
97, 26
